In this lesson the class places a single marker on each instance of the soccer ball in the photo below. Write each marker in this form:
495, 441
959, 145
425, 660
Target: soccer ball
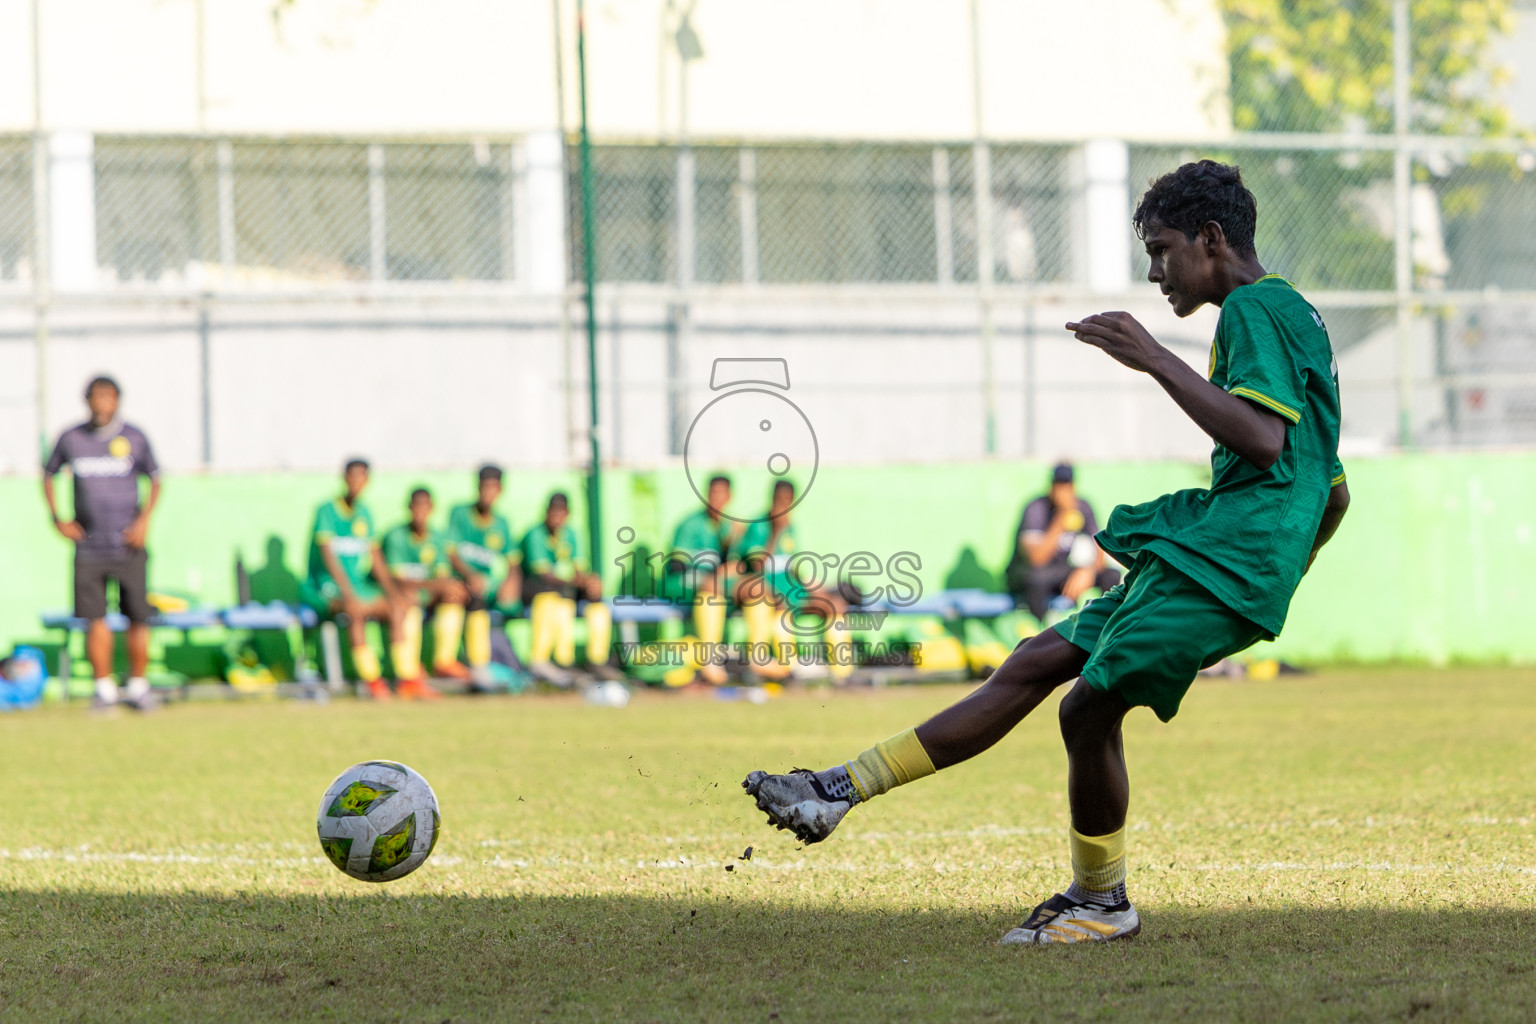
378, 821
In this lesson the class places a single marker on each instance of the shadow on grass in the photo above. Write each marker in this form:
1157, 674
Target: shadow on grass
80, 956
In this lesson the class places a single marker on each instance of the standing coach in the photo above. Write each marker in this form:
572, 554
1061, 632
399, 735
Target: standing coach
106, 457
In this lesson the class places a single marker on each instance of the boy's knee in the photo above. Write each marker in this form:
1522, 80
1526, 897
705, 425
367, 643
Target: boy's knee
1088, 714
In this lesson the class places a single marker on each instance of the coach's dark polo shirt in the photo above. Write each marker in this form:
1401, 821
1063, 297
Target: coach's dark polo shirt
106, 464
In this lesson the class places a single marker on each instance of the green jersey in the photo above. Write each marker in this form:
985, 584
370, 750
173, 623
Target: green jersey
1247, 537
699, 533
546, 554
416, 558
349, 533
755, 543
483, 542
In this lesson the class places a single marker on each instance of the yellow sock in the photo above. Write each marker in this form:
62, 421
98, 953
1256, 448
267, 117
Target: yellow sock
785, 642
544, 616
758, 617
407, 659
1098, 862
599, 632
838, 665
565, 632
366, 663
477, 639
890, 763
410, 631
447, 624
709, 616
406, 651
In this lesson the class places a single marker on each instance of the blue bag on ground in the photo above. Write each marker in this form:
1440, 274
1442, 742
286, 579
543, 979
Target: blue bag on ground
22, 678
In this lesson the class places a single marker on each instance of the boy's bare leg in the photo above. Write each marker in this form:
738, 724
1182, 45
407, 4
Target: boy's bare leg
988, 713
1098, 785
812, 803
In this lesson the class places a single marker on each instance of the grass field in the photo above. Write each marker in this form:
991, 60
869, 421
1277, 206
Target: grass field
1343, 846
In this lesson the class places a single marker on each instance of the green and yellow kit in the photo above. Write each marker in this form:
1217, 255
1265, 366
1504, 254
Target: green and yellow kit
416, 558
348, 531
1213, 569
483, 542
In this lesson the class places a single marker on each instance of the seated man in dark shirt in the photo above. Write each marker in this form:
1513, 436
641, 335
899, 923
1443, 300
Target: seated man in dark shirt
1054, 552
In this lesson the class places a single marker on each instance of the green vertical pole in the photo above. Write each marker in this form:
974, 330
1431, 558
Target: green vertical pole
589, 261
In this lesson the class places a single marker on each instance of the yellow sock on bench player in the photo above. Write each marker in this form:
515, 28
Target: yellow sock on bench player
367, 663
447, 625
477, 638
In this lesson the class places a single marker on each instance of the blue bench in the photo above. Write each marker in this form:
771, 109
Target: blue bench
70, 624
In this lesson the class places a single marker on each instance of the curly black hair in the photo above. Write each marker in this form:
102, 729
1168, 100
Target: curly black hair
1195, 194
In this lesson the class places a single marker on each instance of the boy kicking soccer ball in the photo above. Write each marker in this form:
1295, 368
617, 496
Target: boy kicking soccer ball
1212, 570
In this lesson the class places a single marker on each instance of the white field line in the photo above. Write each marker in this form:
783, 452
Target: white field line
1007, 831
762, 863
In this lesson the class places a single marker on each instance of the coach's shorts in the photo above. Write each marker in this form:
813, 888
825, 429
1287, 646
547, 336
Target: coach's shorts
129, 567
1149, 636
323, 596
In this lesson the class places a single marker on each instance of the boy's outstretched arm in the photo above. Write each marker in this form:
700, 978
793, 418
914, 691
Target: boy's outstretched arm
1254, 433
1333, 515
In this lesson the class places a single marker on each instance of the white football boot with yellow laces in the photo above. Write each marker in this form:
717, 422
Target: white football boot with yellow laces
1060, 919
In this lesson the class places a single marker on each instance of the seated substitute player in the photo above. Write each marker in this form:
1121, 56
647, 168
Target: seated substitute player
554, 575
484, 557
1055, 560
695, 571
772, 594
1212, 570
417, 557
347, 575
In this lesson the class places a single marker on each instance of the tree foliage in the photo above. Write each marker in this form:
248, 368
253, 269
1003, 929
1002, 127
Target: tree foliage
1326, 65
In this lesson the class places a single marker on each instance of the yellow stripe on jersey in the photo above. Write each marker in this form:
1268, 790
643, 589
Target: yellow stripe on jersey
1280, 407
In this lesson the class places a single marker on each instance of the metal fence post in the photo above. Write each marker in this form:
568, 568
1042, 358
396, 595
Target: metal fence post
986, 263
986, 270
227, 254
943, 217
1402, 235
746, 173
682, 313
41, 282
378, 266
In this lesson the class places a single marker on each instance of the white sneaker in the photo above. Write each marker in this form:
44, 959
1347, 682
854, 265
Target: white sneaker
138, 696
797, 802
554, 675
1060, 919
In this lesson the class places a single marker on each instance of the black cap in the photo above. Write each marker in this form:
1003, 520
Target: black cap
1062, 474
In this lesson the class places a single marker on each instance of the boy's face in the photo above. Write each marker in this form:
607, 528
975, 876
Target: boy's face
490, 490
1184, 268
719, 495
356, 479
102, 401
783, 497
555, 518
421, 511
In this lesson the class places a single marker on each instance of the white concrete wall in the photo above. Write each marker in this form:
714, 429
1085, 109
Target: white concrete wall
301, 388
842, 69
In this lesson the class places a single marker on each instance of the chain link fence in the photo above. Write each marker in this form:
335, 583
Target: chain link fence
918, 286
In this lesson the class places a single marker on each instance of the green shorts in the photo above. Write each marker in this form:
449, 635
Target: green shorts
1150, 635
323, 595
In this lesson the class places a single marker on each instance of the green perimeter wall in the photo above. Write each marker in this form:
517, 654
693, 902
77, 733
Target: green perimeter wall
1434, 563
